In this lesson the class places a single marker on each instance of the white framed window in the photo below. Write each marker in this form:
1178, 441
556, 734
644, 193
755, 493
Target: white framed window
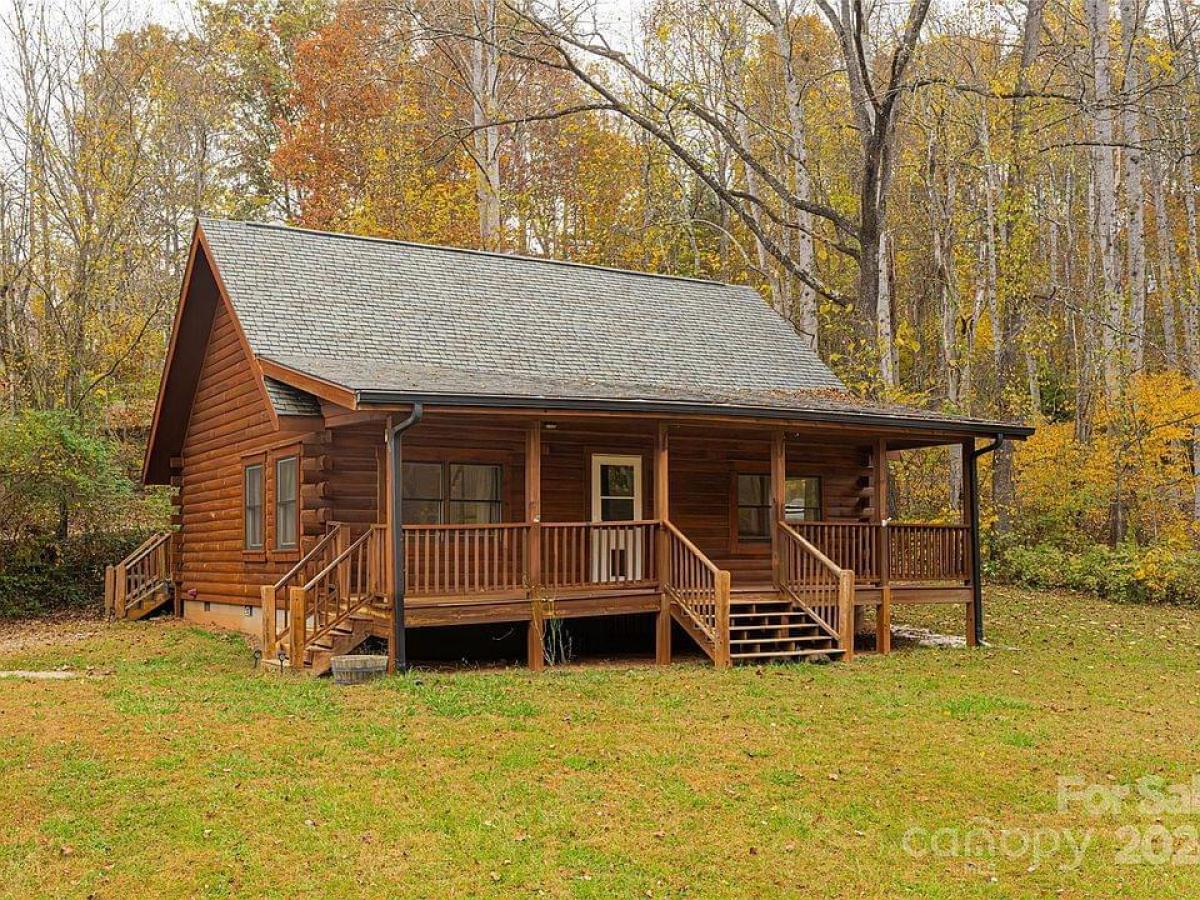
287, 503
252, 506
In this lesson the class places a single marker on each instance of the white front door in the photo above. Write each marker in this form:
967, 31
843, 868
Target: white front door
616, 497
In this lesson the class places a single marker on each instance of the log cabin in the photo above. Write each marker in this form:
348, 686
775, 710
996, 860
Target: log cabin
369, 437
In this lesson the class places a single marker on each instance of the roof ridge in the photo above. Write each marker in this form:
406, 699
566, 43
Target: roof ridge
450, 248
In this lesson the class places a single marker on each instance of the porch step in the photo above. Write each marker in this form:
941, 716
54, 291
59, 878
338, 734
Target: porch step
343, 638
148, 602
765, 627
783, 655
779, 639
745, 615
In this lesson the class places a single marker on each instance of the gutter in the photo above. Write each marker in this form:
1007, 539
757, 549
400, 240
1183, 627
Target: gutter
396, 518
976, 578
366, 398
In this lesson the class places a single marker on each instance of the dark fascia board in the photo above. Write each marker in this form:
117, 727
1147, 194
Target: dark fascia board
367, 398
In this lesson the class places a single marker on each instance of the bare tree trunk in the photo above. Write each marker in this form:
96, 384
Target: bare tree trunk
1135, 194
1167, 280
485, 63
875, 109
805, 312
883, 314
1097, 12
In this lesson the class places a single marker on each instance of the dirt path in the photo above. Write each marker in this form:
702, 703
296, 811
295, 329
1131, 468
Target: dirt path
17, 635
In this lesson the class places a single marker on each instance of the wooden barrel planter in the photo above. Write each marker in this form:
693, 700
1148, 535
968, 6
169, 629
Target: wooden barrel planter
357, 669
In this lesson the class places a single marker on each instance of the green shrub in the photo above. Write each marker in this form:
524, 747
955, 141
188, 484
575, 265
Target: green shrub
1127, 573
44, 575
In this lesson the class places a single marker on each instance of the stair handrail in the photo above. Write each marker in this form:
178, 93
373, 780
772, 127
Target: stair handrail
120, 591
272, 635
704, 598
303, 612
831, 598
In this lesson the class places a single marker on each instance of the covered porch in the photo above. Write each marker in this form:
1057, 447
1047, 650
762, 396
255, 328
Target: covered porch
760, 539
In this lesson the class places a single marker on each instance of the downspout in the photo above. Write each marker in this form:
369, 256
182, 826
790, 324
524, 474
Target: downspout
976, 578
396, 520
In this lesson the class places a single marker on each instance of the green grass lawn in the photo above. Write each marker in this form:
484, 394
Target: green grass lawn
179, 770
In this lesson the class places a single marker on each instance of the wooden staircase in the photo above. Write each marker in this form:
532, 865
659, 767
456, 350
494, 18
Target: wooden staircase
806, 613
766, 627
142, 582
343, 637
327, 600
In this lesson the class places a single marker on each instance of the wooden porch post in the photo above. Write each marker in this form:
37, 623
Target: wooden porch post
723, 659
969, 500
120, 583
297, 618
662, 512
883, 613
778, 499
267, 593
535, 648
110, 590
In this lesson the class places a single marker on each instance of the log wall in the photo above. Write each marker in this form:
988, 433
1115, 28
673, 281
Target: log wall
229, 424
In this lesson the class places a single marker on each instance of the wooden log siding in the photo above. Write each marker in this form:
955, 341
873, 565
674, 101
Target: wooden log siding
701, 489
229, 420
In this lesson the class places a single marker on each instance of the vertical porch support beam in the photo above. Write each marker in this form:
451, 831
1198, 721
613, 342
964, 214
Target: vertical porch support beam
883, 613
121, 584
778, 499
970, 514
662, 512
535, 638
267, 607
397, 646
723, 659
299, 624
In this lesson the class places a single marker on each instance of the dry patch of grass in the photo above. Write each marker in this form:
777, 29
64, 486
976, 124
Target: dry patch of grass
185, 772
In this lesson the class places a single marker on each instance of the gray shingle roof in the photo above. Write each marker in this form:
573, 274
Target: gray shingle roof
322, 296
381, 378
290, 401
384, 316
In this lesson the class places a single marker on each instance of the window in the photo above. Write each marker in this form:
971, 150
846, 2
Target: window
753, 507
423, 495
616, 488
802, 499
801, 503
456, 493
286, 502
474, 494
253, 506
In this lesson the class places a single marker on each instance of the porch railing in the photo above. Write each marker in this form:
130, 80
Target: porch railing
350, 581
450, 560
700, 589
275, 596
139, 575
849, 545
816, 583
878, 553
578, 555
929, 553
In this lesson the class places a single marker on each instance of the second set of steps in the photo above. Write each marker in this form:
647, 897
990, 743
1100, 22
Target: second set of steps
764, 628
344, 637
